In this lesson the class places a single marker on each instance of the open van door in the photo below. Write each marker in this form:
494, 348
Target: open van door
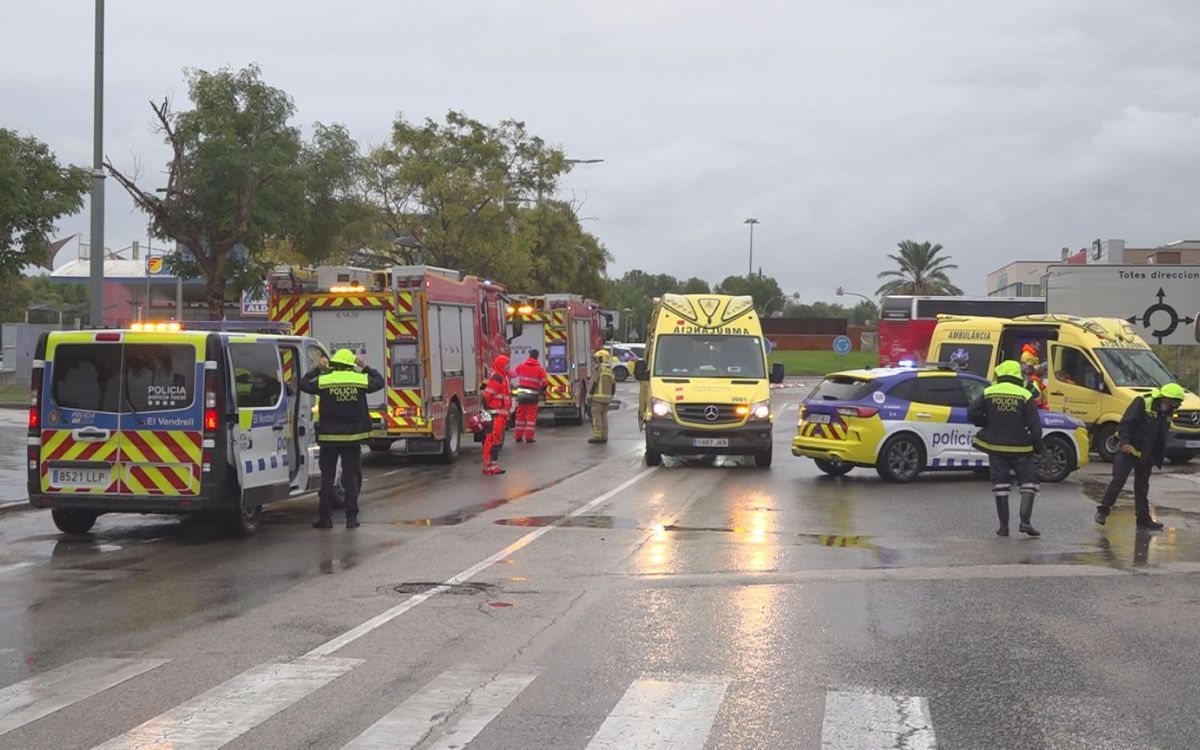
260, 426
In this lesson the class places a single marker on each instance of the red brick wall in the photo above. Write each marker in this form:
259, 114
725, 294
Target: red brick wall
806, 342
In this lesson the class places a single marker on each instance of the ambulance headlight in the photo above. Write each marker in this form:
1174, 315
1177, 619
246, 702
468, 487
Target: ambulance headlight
761, 410
660, 407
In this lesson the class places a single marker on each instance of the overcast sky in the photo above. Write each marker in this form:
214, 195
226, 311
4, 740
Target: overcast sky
1002, 130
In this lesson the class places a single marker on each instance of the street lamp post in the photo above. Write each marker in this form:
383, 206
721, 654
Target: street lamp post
751, 221
793, 295
628, 313
96, 264
843, 293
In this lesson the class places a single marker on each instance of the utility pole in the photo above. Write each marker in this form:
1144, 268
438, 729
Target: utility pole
96, 281
750, 270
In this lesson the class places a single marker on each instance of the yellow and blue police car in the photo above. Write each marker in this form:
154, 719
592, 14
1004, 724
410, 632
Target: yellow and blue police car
162, 419
902, 421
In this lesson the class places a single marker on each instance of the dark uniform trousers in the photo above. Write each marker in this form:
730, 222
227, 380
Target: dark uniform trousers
1002, 468
350, 455
1124, 465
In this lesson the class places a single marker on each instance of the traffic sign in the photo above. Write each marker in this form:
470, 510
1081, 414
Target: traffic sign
842, 345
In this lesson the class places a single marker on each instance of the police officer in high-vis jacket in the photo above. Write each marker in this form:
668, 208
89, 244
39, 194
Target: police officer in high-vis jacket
1012, 438
341, 387
1143, 434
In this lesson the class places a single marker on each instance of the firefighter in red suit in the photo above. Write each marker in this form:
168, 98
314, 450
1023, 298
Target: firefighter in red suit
497, 399
531, 384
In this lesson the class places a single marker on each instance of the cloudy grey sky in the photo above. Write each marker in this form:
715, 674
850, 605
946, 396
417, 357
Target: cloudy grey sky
1002, 130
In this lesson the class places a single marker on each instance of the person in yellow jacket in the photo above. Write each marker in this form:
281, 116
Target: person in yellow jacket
341, 386
601, 396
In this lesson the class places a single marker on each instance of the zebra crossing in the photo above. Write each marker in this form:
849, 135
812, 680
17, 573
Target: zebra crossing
450, 711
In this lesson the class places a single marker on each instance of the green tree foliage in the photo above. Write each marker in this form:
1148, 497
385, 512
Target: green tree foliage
240, 175
467, 195
762, 288
921, 269
694, 286
20, 293
15, 295
861, 314
35, 191
337, 218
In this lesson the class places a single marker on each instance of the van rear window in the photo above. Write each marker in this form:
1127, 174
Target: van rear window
844, 388
159, 376
87, 376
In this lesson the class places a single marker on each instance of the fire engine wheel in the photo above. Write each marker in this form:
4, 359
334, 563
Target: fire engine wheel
453, 440
74, 521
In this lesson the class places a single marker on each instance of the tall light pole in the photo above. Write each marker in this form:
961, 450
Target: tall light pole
565, 161
751, 221
96, 281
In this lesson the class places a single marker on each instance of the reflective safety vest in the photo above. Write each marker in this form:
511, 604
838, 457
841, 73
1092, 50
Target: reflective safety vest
1008, 416
531, 381
342, 402
605, 385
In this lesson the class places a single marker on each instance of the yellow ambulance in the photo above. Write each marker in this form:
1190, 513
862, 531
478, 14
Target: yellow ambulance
155, 419
1094, 367
704, 387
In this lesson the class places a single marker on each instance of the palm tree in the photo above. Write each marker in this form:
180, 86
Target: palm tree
922, 270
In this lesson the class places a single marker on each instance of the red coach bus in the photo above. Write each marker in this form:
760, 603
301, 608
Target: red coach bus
906, 323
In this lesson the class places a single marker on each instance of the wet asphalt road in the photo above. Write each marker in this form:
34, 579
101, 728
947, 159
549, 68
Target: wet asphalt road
688, 606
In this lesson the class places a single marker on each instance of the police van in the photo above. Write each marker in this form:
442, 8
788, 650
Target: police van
156, 419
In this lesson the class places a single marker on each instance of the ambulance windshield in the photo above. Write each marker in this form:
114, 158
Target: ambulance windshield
1138, 368
705, 356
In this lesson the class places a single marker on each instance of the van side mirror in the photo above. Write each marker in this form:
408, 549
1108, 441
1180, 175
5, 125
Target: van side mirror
518, 327
777, 372
608, 333
639, 370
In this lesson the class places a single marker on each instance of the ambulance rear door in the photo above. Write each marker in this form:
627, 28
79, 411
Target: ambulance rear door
259, 419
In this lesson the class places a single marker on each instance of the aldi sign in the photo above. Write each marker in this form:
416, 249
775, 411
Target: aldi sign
254, 302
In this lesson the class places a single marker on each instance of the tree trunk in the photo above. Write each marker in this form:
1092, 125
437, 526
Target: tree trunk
214, 286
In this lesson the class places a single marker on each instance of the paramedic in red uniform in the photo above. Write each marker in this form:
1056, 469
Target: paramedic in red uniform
531, 384
497, 399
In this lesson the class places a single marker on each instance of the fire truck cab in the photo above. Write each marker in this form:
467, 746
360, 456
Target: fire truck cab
433, 334
566, 329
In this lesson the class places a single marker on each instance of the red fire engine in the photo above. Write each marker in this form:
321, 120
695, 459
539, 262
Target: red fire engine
433, 334
566, 328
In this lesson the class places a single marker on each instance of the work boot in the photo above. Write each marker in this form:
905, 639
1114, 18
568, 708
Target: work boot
530, 440
521, 440
597, 441
1002, 513
1026, 512
1149, 524
352, 522
1101, 514
323, 523
492, 470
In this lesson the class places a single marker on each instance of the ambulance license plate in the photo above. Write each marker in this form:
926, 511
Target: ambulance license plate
80, 477
710, 442
817, 418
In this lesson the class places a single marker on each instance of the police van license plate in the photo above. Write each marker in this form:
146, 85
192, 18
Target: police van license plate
80, 477
817, 418
710, 442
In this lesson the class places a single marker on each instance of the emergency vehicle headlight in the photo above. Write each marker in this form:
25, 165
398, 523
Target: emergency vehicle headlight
660, 407
525, 309
761, 410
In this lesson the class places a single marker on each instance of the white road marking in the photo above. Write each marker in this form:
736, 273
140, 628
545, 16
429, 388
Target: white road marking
869, 721
329, 647
224, 713
447, 713
658, 715
51, 691
15, 566
15, 503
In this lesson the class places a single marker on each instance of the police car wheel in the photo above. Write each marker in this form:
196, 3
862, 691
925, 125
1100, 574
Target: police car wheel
1058, 459
901, 459
1107, 442
1180, 459
243, 521
839, 469
74, 521
620, 374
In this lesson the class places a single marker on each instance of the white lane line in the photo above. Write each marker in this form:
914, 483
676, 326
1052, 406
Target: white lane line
658, 715
453, 708
51, 691
868, 721
329, 647
224, 713
15, 566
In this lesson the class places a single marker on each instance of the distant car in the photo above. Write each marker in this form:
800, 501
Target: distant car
624, 358
905, 420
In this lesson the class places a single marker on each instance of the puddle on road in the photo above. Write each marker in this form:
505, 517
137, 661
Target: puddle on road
420, 587
462, 515
578, 522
